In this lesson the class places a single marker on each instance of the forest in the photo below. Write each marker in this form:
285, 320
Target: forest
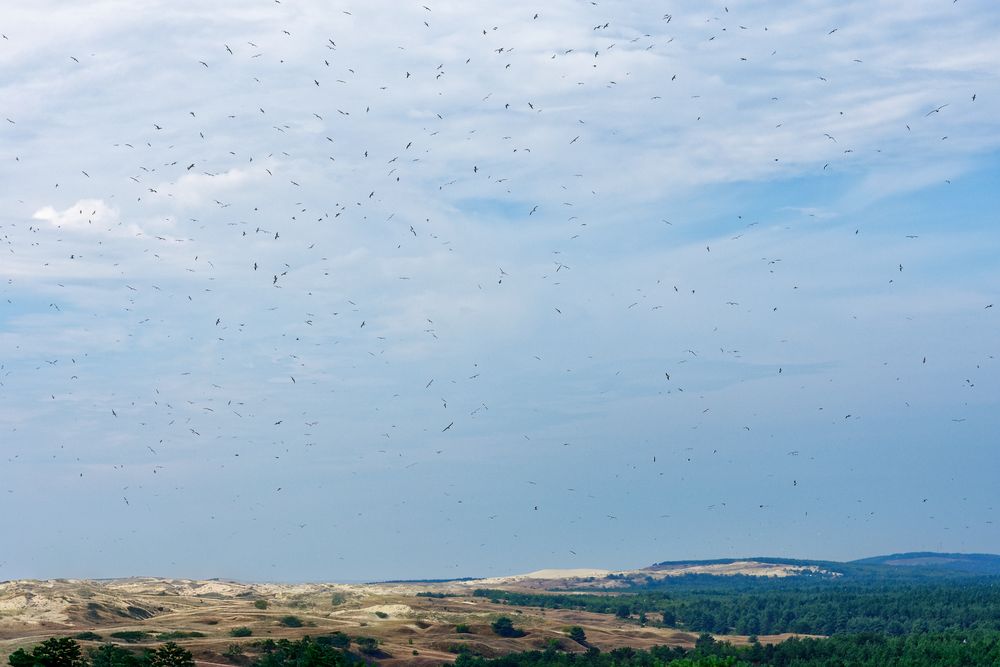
892, 609
977, 649
973, 649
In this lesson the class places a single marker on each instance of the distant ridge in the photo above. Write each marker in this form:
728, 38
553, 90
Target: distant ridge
914, 567
980, 564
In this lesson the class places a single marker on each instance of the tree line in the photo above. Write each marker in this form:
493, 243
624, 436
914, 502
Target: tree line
975, 649
324, 651
896, 609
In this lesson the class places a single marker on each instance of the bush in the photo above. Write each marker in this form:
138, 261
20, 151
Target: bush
291, 621
54, 652
260, 604
367, 645
178, 634
88, 636
171, 655
234, 653
382, 614
337, 639
241, 631
131, 636
112, 655
338, 599
504, 627
462, 628
577, 634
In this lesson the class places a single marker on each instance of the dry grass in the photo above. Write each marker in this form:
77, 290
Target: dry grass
31, 611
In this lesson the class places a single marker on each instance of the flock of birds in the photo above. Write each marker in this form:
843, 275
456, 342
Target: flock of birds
255, 279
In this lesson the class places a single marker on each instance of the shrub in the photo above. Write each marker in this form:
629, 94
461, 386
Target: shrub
54, 652
382, 614
504, 627
260, 604
577, 634
88, 636
338, 599
367, 645
171, 655
131, 636
337, 639
112, 655
241, 631
462, 628
178, 634
291, 621
233, 653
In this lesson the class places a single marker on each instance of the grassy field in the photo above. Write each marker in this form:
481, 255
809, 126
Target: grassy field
402, 621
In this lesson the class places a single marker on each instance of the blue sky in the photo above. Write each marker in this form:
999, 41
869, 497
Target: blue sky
300, 291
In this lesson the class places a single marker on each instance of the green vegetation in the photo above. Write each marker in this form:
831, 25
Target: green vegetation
55, 652
131, 636
322, 652
775, 607
429, 594
260, 604
865, 650
577, 634
381, 614
291, 621
971, 648
338, 599
88, 636
504, 627
368, 645
178, 634
241, 631
170, 655
112, 655
337, 639
234, 653
303, 653
462, 629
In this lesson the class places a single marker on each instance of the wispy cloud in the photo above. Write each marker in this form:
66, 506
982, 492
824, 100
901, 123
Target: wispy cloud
288, 244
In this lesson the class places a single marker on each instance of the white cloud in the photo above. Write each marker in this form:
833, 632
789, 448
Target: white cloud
91, 215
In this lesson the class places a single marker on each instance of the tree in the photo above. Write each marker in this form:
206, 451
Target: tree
110, 655
577, 634
367, 645
504, 627
171, 655
669, 618
705, 644
20, 658
55, 652
234, 653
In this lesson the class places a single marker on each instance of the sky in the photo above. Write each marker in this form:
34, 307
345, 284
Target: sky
344, 291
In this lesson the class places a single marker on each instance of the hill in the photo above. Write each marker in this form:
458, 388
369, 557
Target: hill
975, 564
